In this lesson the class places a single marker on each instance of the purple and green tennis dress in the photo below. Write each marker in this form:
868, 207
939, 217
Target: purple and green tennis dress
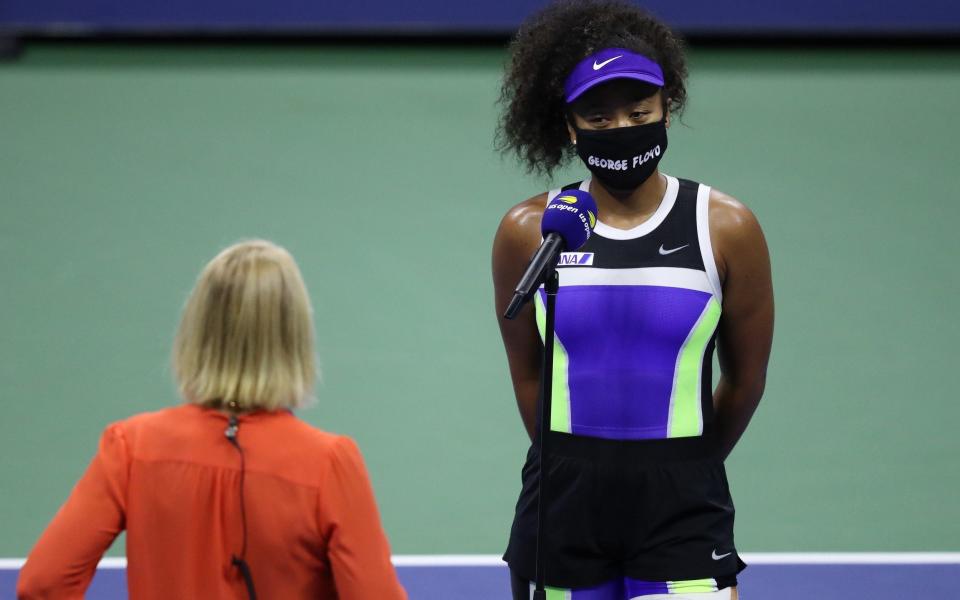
636, 499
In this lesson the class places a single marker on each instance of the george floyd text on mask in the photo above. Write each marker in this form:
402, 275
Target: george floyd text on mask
624, 157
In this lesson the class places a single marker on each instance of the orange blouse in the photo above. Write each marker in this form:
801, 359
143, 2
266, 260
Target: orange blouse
172, 480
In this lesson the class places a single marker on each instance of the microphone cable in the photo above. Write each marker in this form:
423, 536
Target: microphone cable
240, 562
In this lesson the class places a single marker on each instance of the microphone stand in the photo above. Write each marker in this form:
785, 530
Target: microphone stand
551, 285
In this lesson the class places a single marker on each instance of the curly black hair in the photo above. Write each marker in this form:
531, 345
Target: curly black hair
543, 53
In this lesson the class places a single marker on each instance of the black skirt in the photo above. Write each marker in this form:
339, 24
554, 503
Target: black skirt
654, 510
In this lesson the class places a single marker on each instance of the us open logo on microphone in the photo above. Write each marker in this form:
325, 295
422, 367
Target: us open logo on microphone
589, 219
575, 259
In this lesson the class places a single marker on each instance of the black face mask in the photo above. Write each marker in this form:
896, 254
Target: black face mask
624, 157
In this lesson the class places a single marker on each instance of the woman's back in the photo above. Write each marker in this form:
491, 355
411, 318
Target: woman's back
172, 479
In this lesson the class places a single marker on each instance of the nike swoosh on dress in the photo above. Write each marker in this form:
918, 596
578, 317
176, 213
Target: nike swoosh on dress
663, 251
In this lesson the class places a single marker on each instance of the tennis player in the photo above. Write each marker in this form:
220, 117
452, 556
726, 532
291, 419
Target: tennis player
228, 495
637, 502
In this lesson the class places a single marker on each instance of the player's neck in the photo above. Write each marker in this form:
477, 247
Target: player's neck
643, 201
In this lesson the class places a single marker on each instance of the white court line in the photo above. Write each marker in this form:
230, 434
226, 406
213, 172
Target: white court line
448, 560
851, 558
755, 558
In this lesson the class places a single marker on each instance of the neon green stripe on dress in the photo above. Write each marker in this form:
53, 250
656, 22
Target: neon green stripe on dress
557, 593
560, 401
685, 416
692, 586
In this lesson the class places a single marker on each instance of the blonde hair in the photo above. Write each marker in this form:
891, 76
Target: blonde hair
246, 334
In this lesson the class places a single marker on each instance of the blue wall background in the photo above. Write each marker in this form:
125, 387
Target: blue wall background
810, 17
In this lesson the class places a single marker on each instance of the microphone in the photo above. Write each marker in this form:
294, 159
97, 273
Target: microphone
566, 225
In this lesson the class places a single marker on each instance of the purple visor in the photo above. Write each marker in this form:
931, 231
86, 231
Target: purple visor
607, 64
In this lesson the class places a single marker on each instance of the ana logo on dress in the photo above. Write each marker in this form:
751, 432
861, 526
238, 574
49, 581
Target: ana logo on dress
575, 259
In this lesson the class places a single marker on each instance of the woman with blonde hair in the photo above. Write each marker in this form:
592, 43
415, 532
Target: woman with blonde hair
228, 495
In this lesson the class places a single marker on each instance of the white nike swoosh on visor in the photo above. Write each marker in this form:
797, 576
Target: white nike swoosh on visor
716, 556
597, 67
664, 252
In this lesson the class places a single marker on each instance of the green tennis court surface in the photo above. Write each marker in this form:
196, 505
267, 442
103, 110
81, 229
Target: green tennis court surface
123, 169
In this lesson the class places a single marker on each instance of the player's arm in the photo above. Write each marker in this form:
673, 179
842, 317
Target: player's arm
516, 240
746, 324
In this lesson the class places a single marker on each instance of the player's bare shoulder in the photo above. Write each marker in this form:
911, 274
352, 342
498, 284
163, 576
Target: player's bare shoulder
734, 231
516, 240
728, 215
519, 229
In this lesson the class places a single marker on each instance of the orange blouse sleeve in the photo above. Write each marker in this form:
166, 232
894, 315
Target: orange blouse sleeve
63, 561
357, 546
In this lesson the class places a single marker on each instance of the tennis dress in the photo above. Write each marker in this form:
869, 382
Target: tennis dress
635, 489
